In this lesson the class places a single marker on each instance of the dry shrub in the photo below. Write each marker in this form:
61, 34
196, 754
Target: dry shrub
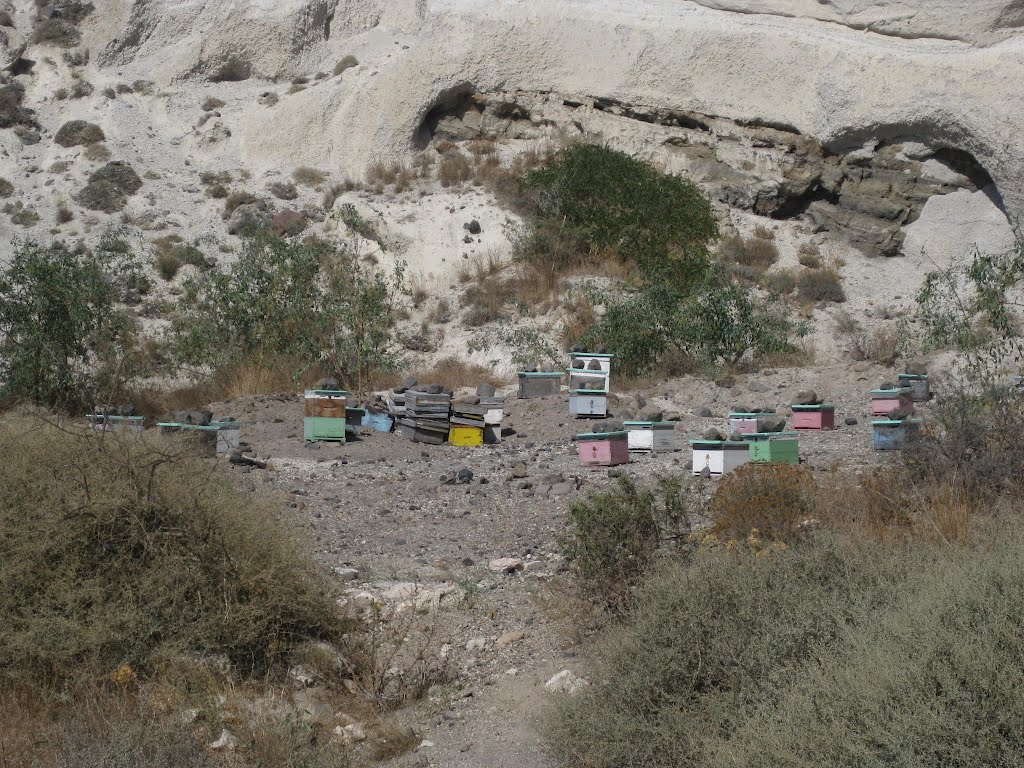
454, 169
167, 264
578, 316
754, 252
334, 192
235, 199
64, 214
211, 103
382, 173
486, 301
97, 153
771, 501
809, 256
418, 290
442, 312
283, 190
309, 177
761, 232
454, 373
538, 285
822, 284
883, 344
78, 132
780, 283
121, 549
346, 62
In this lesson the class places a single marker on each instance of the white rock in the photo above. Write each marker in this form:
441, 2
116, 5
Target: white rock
347, 574
505, 564
356, 732
425, 744
566, 683
476, 644
226, 743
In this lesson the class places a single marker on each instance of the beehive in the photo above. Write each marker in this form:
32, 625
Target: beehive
652, 436
585, 403
229, 436
814, 417
603, 449
890, 434
353, 420
209, 436
719, 457
466, 436
107, 423
883, 401
324, 415
539, 384
378, 421
744, 423
773, 447
918, 386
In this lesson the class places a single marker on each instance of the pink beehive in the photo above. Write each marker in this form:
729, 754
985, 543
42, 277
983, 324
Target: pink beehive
603, 449
884, 401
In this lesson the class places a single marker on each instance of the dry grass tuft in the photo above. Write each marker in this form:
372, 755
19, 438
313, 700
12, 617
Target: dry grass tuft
309, 177
454, 373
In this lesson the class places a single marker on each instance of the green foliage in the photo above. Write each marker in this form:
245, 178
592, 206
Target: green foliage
318, 304
719, 321
127, 551
826, 656
603, 200
77, 133
528, 347
972, 308
615, 536
59, 322
109, 187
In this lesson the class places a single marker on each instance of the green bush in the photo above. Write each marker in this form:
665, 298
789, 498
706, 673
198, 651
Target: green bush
604, 200
58, 323
615, 536
827, 656
78, 132
304, 300
126, 551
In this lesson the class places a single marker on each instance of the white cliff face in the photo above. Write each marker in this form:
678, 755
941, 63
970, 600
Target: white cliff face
845, 72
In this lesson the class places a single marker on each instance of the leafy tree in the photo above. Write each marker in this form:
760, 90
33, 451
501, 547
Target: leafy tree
60, 326
315, 304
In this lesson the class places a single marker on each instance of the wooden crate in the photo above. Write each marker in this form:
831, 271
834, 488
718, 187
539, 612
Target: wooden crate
718, 456
603, 449
585, 403
652, 436
885, 400
814, 417
744, 423
920, 391
773, 447
539, 384
472, 437
890, 434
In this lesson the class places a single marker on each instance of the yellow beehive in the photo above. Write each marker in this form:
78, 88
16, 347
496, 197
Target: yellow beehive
471, 436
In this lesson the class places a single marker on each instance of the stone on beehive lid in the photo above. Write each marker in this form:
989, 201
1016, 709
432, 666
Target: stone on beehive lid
898, 414
485, 390
713, 435
651, 414
887, 385
771, 423
917, 368
806, 397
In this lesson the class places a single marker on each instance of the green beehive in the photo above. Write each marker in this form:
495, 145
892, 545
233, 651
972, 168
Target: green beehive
324, 415
777, 448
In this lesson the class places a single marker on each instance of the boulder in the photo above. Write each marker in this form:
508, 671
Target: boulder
917, 368
771, 423
712, 434
806, 397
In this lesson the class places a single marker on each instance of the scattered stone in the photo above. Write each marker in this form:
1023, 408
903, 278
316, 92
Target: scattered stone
706, 473
347, 574
486, 390
771, 423
712, 434
651, 414
425, 744
566, 682
917, 368
505, 565
704, 413
510, 637
519, 471
464, 477
806, 397
355, 732
473, 227
535, 566
476, 644
757, 386
851, 422
888, 385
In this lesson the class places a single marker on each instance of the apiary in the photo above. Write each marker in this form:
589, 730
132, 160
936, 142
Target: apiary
603, 449
588, 403
890, 434
773, 447
324, 415
539, 384
744, 423
719, 457
652, 436
814, 417
883, 401
918, 385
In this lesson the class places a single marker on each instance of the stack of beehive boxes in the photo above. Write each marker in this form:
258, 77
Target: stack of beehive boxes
589, 384
427, 417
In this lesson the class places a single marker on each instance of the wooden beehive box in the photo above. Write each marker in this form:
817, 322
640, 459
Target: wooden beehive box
718, 456
885, 400
324, 415
920, 391
539, 384
890, 434
107, 423
584, 403
773, 447
744, 423
603, 449
652, 436
472, 437
814, 417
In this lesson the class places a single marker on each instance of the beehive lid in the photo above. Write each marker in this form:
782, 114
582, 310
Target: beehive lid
739, 415
772, 436
895, 422
105, 417
649, 424
812, 408
326, 393
913, 376
196, 427
588, 391
592, 436
540, 374
716, 445
602, 355
890, 392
